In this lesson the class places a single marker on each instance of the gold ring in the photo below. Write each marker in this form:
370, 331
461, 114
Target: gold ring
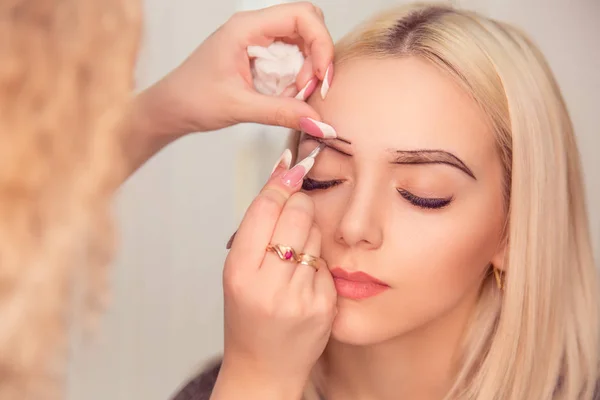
285, 253
311, 261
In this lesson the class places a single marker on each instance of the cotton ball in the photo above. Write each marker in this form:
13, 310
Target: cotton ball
274, 68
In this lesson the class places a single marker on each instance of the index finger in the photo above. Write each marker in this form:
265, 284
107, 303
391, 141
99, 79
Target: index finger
258, 224
290, 20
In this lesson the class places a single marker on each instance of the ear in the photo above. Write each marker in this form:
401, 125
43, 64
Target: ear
499, 258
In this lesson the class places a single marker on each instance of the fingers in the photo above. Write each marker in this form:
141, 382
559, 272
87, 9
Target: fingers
304, 275
292, 230
290, 91
320, 13
299, 23
307, 90
288, 20
324, 289
282, 111
275, 110
258, 224
306, 72
306, 82
256, 228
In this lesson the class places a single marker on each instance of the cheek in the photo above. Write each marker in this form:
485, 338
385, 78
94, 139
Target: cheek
437, 262
440, 258
435, 250
434, 261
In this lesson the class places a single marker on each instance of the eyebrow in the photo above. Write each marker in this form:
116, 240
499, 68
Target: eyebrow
408, 157
431, 157
327, 142
306, 136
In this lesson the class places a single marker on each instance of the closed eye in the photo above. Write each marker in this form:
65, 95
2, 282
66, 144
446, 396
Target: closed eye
312, 184
425, 202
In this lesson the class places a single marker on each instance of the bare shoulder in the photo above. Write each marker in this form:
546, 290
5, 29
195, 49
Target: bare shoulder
201, 387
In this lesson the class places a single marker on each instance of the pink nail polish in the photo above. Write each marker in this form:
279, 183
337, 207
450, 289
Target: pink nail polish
307, 90
294, 176
285, 160
327, 81
317, 128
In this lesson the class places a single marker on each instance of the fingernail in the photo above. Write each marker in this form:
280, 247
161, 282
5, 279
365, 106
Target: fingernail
294, 176
307, 90
317, 128
230, 241
327, 81
285, 160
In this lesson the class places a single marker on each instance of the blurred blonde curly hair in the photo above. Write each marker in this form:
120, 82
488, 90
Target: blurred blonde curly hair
65, 80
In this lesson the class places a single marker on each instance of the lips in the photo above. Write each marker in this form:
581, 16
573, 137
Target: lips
357, 285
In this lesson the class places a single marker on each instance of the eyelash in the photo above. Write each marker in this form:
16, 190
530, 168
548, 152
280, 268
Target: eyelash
428, 203
421, 202
311, 184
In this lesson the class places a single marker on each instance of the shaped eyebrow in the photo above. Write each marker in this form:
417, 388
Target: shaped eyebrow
431, 157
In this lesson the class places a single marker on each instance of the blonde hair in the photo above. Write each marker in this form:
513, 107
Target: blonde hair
65, 78
539, 339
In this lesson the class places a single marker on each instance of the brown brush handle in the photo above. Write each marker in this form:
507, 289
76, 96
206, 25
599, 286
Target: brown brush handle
230, 241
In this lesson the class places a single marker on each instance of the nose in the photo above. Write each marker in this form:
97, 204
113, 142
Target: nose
361, 224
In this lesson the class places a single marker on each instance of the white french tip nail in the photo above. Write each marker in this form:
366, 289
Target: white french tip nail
325, 84
307, 163
327, 130
285, 160
301, 94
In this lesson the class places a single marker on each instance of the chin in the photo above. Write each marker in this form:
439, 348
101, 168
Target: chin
359, 326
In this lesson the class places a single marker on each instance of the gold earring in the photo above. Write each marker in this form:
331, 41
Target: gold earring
499, 277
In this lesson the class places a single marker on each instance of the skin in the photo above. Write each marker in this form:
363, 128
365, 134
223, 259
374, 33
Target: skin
401, 343
213, 88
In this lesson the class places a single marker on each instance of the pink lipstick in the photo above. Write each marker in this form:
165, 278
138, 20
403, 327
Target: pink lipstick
357, 285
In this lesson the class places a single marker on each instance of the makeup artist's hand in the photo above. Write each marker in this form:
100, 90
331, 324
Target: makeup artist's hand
213, 88
278, 314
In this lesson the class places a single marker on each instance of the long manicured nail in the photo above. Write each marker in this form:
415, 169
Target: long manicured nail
307, 90
285, 160
327, 81
317, 128
294, 176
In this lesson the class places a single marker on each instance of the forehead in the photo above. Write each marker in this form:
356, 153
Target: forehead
404, 103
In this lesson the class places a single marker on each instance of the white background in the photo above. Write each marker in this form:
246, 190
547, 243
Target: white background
177, 212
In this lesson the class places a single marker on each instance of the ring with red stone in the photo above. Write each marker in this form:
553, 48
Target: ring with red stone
286, 253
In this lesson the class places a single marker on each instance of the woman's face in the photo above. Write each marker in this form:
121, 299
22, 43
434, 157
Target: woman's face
410, 194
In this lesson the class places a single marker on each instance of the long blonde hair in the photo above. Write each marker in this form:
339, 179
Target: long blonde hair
65, 77
539, 340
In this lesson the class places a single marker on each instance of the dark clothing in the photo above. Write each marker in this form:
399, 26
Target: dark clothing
200, 388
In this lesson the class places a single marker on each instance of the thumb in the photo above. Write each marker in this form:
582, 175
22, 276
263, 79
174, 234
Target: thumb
284, 111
